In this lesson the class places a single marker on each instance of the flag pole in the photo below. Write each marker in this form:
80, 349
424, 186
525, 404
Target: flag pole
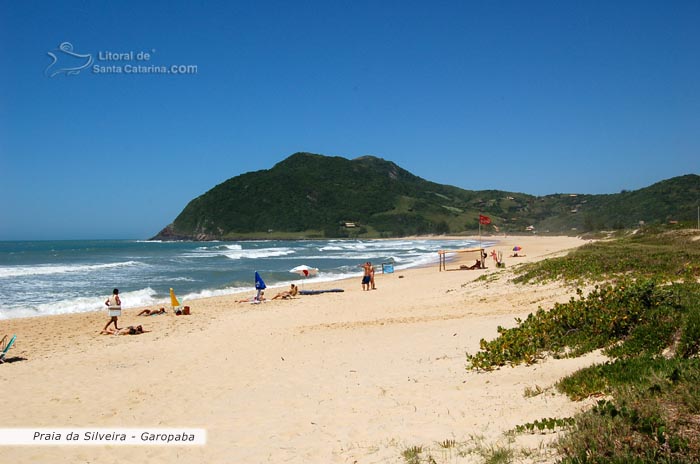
481, 258
480, 234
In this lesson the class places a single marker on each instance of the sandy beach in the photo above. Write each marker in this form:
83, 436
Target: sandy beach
357, 376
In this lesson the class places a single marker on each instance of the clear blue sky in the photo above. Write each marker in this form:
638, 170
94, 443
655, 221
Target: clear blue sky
529, 96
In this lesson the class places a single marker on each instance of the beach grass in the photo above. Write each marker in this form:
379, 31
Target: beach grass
450, 450
412, 454
667, 255
644, 313
631, 318
448, 443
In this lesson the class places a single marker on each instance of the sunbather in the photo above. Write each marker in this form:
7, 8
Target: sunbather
253, 299
287, 294
151, 312
131, 330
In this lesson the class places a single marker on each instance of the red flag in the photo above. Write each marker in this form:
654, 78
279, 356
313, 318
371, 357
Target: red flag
485, 220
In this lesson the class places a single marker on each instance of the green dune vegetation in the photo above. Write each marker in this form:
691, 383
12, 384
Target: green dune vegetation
644, 313
310, 196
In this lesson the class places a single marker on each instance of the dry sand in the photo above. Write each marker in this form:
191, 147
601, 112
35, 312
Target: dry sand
358, 376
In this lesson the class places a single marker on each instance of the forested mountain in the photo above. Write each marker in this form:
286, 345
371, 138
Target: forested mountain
316, 196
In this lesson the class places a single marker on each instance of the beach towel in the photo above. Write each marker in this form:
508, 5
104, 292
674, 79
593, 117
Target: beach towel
318, 292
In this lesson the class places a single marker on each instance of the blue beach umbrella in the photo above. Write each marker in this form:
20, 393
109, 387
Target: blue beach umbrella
259, 285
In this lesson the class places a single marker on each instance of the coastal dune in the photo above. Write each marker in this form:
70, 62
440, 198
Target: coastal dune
358, 376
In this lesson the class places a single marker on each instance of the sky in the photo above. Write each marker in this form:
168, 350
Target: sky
538, 97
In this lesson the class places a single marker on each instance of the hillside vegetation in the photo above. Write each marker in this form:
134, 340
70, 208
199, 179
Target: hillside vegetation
644, 313
316, 196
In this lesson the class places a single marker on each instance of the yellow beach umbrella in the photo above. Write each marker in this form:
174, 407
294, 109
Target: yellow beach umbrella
173, 299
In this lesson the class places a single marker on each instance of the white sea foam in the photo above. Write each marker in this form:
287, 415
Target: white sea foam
331, 248
209, 248
132, 299
178, 279
360, 257
237, 252
259, 253
46, 269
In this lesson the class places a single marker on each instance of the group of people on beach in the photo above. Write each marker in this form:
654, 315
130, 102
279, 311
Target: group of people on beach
114, 305
283, 295
114, 302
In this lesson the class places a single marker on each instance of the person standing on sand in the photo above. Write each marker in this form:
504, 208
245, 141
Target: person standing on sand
367, 276
115, 309
371, 275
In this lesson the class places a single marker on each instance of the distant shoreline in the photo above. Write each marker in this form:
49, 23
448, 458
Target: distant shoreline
116, 262
470, 235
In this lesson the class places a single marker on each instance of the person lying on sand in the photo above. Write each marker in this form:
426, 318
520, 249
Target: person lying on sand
151, 312
476, 265
253, 299
131, 330
287, 294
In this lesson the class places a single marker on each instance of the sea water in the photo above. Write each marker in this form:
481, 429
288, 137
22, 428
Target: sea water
40, 278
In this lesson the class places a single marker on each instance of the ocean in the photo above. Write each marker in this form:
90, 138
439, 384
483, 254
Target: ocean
39, 278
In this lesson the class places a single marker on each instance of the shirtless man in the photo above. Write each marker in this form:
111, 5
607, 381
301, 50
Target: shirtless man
367, 277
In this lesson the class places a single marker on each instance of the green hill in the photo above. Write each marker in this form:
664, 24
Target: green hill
316, 196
